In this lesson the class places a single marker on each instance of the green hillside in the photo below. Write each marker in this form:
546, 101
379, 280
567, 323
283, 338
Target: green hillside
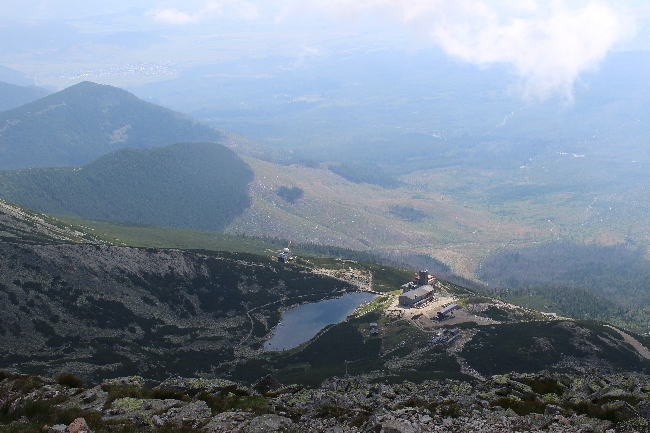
12, 96
85, 121
194, 185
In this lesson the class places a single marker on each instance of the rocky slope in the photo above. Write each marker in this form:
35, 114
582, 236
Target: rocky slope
21, 225
577, 400
97, 309
70, 304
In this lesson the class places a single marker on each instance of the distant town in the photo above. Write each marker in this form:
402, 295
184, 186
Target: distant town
124, 70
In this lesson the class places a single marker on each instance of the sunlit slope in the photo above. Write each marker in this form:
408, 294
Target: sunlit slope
338, 212
578, 198
469, 213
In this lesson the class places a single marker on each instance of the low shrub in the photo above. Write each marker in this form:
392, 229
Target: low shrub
594, 410
520, 407
226, 401
290, 194
69, 380
38, 409
356, 418
25, 384
630, 399
115, 393
163, 394
444, 408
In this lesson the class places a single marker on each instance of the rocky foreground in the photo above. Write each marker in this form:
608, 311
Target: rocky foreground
581, 401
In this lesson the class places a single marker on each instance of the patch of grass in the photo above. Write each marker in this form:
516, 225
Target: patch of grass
228, 400
115, 393
479, 300
356, 418
495, 313
520, 407
39, 409
40, 413
544, 386
118, 392
385, 278
138, 235
163, 394
595, 410
380, 303
25, 384
630, 399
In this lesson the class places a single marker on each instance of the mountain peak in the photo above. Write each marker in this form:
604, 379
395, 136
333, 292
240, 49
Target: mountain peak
88, 120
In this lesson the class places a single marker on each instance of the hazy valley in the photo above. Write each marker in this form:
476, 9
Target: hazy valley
140, 281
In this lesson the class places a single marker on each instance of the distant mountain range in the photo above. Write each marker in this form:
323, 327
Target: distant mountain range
192, 185
12, 96
12, 76
87, 120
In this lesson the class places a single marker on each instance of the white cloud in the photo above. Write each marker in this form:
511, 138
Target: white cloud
174, 16
549, 43
212, 9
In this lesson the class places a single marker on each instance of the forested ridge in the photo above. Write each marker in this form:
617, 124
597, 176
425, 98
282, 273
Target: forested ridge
87, 120
587, 281
360, 173
192, 185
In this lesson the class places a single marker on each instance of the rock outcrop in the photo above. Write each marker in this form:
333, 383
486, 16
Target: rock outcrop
553, 402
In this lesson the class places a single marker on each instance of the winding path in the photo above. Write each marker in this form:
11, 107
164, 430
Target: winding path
643, 351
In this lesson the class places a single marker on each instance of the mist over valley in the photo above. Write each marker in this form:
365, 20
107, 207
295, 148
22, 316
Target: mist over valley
180, 181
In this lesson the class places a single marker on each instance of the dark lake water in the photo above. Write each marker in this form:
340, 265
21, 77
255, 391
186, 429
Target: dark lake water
301, 323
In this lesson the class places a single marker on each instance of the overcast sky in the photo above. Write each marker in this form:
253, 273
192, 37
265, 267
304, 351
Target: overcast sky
547, 43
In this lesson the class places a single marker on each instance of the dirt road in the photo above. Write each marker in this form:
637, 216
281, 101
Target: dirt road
643, 351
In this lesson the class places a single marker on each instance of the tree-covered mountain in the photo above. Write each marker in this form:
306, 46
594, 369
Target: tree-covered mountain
193, 185
87, 120
619, 273
587, 281
12, 96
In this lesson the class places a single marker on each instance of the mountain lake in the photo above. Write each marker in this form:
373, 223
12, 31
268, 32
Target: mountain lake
302, 323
